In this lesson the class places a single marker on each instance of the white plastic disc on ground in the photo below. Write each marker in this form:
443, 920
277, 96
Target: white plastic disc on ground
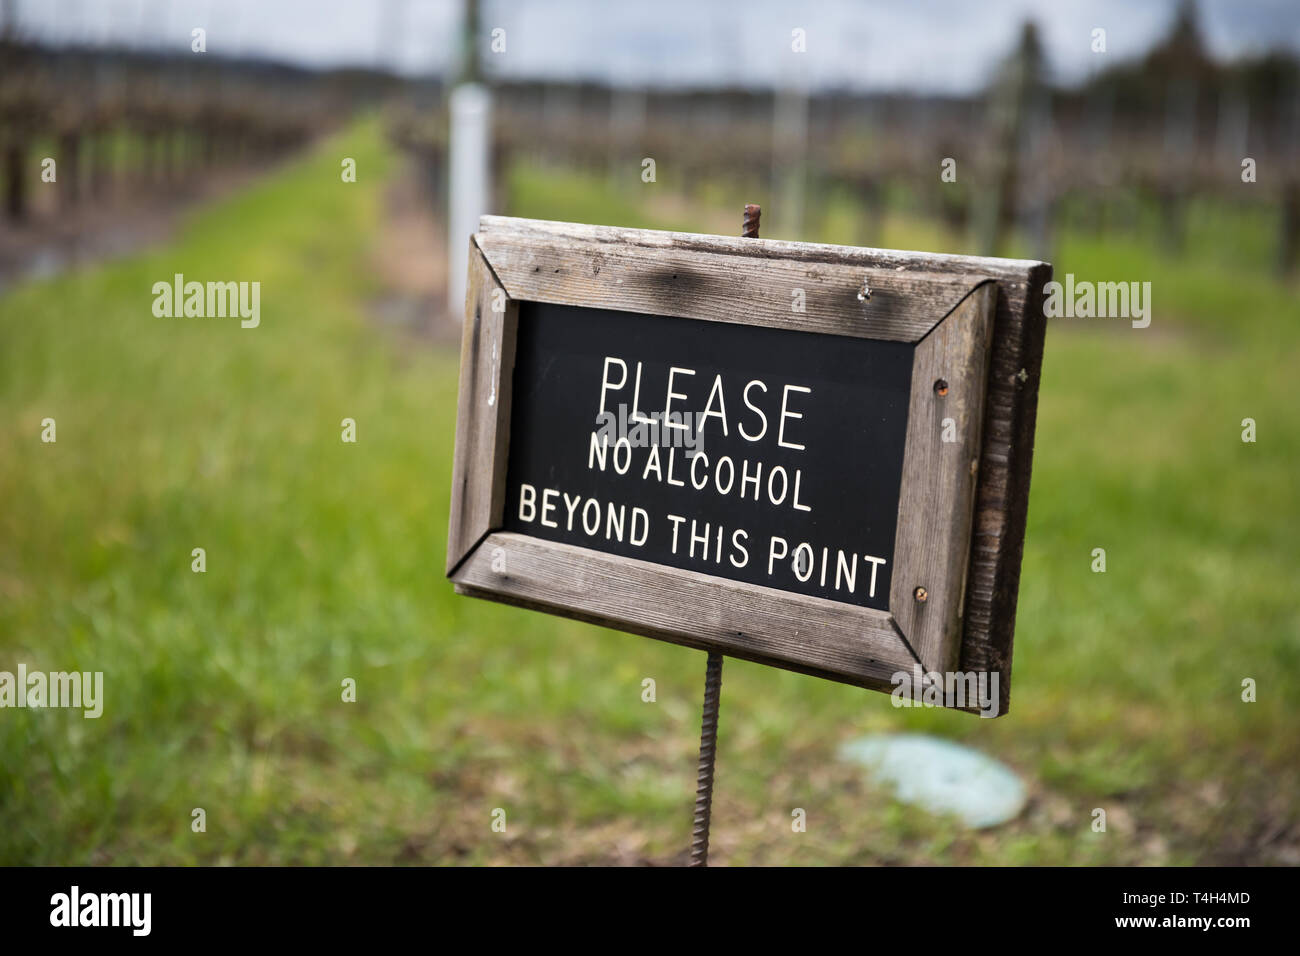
941, 776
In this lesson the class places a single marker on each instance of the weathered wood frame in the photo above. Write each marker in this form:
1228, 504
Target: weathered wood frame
977, 324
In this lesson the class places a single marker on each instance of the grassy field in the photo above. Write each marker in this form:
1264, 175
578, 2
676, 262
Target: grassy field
324, 562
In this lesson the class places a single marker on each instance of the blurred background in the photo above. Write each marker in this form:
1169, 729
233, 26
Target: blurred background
141, 138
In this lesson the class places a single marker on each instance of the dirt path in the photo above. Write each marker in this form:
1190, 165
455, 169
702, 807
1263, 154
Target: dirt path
410, 255
51, 240
410, 258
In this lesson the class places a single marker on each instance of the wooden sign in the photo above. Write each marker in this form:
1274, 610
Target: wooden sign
814, 457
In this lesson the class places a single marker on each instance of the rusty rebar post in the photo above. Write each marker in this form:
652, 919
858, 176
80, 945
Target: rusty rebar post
708, 749
712, 689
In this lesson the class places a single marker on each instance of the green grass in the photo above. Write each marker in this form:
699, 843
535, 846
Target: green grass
324, 561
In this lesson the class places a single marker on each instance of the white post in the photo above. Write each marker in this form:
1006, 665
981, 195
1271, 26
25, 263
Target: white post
470, 188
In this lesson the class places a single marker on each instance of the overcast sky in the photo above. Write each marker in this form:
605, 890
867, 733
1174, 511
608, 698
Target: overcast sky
922, 45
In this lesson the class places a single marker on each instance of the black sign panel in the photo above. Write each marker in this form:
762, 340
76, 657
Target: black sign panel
762, 455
